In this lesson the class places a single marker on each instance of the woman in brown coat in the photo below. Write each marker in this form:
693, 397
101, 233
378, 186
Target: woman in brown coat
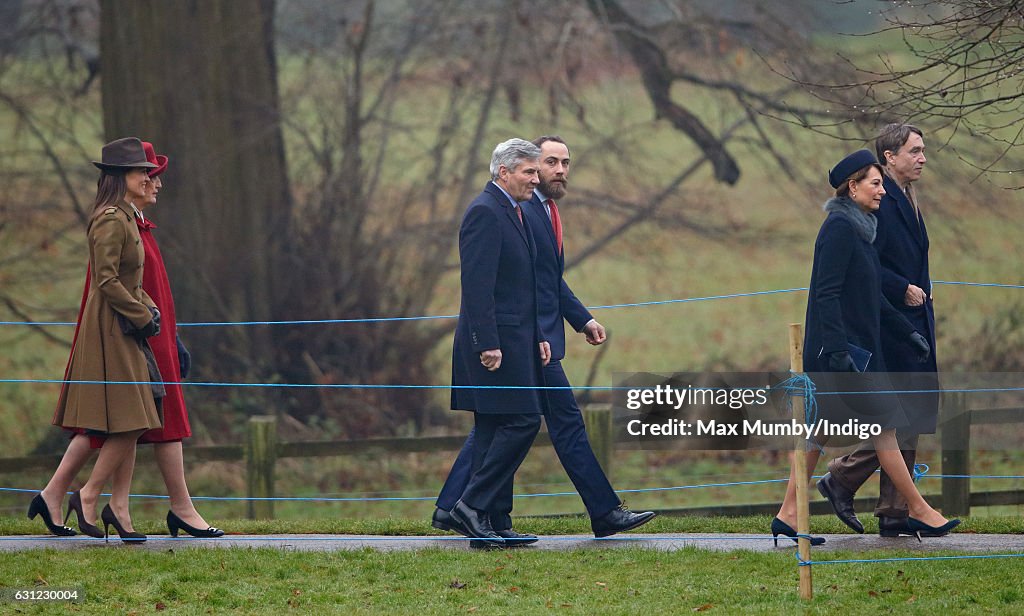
173, 361
110, 389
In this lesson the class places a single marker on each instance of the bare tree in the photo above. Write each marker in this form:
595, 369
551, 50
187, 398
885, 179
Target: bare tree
964, 78
670, 44
48, 127
379, 86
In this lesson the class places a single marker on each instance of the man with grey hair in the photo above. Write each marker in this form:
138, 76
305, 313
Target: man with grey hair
498, 354
556, 304
902, 245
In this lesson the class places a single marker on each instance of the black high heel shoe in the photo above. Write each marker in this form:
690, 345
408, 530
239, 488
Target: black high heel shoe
38, 507
75, 505
109, 519
917, 527
781, 528
174, 524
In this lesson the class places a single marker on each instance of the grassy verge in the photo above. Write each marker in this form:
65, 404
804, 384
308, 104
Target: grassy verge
437, 581
571, 525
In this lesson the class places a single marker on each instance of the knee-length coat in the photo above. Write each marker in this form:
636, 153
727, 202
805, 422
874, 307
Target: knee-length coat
121, 401
902, 245
157, 286
845, 306
498, 311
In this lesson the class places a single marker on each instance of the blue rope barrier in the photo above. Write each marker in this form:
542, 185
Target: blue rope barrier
419, 498
923, 391
980, 284
453, 316
312, 385
918, 474
429, 317
808, 563
699, 299
975, 477
920, 470
423, 538
799, 385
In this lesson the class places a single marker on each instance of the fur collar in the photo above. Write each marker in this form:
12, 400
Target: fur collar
865, 224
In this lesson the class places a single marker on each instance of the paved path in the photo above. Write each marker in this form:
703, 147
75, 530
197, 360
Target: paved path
959, 542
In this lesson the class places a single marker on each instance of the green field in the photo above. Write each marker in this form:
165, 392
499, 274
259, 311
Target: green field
439, 581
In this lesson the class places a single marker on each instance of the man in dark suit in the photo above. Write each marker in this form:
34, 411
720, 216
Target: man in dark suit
555, 303
902, 245
498, 342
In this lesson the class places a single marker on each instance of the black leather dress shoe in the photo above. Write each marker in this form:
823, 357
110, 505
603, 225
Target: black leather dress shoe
893, 527
511, 537
514, 539
619, 520
841, 500
475, 525
442, 520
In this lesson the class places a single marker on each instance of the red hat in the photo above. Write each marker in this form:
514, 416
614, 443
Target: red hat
157, 159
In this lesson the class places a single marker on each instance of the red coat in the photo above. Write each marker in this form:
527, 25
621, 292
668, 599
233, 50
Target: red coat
164, 345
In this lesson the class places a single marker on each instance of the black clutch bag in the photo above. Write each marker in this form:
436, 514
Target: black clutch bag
860, 356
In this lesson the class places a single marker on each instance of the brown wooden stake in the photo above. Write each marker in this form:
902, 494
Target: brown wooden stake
601, 433
261, 456
803, 526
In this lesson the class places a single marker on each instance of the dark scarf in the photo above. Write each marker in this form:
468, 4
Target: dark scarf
865, 224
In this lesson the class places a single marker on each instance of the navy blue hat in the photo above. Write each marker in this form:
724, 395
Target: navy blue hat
849, 165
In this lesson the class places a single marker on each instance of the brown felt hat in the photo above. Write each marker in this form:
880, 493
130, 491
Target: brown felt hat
123, 154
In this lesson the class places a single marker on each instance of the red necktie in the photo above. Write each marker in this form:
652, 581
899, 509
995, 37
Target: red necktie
519, 212
556, 224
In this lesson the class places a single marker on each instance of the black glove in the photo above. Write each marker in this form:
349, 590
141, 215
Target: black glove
184, 359
840, 361
152, 328
139, 333
919, 344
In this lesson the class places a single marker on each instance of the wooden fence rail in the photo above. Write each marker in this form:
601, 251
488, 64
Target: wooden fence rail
262, 450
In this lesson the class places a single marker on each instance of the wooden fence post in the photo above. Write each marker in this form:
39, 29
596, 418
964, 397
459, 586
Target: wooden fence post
261, 455
803, 523
600, 433
956, 454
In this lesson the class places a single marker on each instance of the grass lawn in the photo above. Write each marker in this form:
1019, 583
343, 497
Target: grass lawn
440, 581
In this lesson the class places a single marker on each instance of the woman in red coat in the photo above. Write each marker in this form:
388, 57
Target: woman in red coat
174, 362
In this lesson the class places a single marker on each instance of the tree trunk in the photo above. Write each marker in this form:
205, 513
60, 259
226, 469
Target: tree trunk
199, 80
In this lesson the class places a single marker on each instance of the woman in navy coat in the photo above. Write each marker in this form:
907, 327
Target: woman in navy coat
845, 311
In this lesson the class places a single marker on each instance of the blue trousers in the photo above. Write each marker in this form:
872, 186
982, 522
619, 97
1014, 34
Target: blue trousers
501, 444
569, 438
